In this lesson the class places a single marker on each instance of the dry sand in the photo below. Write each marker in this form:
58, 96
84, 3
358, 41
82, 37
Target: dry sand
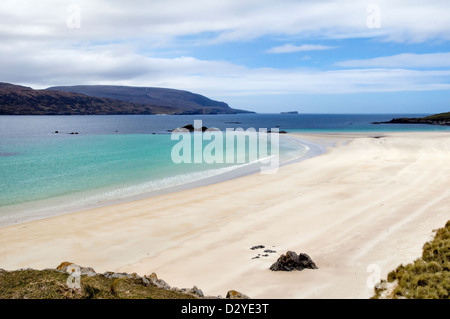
368, 204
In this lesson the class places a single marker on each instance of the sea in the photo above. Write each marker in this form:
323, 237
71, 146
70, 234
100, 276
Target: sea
51, 165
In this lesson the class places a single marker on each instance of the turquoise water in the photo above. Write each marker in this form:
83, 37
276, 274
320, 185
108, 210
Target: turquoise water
69, 171
119, 157
47, 167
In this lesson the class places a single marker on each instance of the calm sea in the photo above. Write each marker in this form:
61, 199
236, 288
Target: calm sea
114, 158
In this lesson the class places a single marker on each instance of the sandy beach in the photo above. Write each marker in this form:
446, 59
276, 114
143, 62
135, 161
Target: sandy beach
372, 199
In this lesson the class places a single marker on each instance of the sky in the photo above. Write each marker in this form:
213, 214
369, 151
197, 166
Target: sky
267, 56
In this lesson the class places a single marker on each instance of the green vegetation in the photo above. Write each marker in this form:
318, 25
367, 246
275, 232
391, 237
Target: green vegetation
427, 277
436, 119
52, 284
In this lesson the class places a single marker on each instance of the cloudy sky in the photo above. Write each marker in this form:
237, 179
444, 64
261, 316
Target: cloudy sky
313, 56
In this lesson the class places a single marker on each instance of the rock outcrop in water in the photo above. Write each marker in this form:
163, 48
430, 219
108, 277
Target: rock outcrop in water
190, 128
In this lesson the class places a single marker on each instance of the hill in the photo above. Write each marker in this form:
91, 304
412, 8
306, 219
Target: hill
21, 100
183, 102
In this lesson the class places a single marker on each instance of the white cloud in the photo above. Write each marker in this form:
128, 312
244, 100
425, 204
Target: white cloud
290, 48
38, 49
212, 78
231, 20
404, 60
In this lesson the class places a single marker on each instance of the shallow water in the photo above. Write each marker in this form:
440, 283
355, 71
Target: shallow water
118, 157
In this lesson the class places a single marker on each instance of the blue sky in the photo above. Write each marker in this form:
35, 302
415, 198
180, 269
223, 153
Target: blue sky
346, 56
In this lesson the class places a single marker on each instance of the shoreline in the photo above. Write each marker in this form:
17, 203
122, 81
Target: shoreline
370, 200
29, 213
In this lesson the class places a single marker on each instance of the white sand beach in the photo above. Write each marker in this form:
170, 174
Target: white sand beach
372, 199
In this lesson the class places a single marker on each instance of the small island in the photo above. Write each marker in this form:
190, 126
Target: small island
290, 113
436, 119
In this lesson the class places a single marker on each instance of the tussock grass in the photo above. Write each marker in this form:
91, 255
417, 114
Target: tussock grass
427, 277
52, 284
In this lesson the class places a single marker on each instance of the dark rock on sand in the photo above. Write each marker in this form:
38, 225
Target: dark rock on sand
291, 261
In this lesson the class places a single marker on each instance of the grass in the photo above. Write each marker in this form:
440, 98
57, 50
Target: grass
52, 284
438, 117
427, 277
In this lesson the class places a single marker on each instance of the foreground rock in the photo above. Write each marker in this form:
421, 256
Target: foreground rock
151, 280
233, 294
70, 268
291, 261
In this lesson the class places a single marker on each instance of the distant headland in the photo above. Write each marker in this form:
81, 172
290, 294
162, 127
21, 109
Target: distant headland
106, 100
436, 119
